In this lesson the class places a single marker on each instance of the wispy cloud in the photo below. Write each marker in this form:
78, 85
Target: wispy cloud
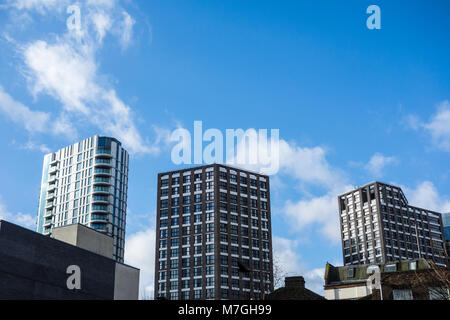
425, 195
22, 219
68, 73
378, 162
32, 121
289, 263
140, 253
66, 69
319, 212
438, 127
40, 6
32, 146
126, 30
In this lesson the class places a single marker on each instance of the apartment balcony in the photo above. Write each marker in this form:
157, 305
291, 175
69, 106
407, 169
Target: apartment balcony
51, 187
48, 213
47, 223
49, 204
103, 153
100, 199
99, 208
102, 181
107, 162
101, 218
54, 162
100, 226
102, 190
50, 195
52, 179
53, 169
102, 172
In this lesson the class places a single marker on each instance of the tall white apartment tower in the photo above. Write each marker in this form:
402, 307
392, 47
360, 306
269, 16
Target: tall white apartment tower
86, 183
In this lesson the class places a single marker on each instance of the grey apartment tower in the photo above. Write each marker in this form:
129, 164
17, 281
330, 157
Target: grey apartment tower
213, 234
86, 183
379, 226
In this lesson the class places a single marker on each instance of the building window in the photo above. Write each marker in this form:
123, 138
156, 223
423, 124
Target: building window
197, 294
390, 267
438, 294
402, 294
350, 272
185, 295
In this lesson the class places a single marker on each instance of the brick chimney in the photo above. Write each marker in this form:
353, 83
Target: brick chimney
294, 282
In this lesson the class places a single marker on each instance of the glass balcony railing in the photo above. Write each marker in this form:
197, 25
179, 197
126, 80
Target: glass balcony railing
100, 198
50, 195
101, 179
103, 151
99, 226
99, 208
99, 217
102, 171
101, 189
102, 161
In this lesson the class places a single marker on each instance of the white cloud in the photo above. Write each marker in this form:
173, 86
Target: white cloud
285, 254
309, 169
22, 219
289, 264
425, 195
162, 139
63, 72
439, 126
308, 165
32, 121
30, 145
102, 24
63, 126
140, 253
35, 121
41, 6
314, 280
321, 212
68, 73
412, 121
67, 70
378, 162
126, 30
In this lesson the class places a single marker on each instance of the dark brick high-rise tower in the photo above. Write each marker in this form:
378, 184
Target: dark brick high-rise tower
213, 234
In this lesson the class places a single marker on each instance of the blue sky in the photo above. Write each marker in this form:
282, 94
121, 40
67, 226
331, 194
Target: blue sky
352, 105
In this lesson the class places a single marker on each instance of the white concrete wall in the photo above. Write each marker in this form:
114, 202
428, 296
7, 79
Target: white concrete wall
347, 293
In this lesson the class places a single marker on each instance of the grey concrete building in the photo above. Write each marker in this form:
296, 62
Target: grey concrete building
84, 237
86, 183
378, 226
34, 266
213, 234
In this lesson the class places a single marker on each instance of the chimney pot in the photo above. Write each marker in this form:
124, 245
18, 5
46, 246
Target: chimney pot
294, 282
